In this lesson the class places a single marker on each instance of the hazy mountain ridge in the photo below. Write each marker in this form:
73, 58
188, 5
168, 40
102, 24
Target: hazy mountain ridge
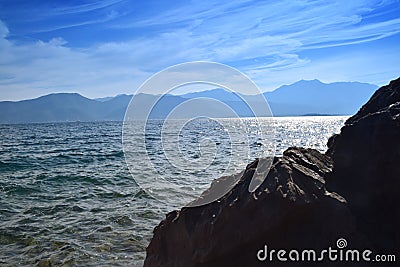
332, 98
300, 98
62, 107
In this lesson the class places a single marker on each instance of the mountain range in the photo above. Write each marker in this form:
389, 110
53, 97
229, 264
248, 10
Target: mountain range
301, 98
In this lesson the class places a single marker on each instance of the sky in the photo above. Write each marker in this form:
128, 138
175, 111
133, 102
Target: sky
105, 48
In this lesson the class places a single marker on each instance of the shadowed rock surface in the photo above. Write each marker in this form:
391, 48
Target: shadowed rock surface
308, 200
366, 171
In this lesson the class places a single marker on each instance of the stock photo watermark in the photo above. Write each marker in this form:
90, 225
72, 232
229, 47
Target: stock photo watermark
184, 143
339, 253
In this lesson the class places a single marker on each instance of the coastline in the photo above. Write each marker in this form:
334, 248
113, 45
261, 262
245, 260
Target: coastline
308, 199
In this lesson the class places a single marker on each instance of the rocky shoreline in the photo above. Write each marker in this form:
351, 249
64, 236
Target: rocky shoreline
308, 200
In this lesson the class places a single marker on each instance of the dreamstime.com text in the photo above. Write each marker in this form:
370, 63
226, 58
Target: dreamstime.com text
330, 254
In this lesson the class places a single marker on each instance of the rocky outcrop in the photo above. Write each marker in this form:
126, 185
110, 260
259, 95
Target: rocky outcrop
292, 201
308, 200
366, 156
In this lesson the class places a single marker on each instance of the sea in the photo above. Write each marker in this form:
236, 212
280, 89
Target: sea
69, 195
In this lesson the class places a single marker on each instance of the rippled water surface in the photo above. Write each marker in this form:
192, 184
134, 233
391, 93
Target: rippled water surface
67, 196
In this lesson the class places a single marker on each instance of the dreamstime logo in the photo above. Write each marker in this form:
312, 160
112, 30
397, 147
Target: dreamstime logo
341, 243
330, 254
175, 144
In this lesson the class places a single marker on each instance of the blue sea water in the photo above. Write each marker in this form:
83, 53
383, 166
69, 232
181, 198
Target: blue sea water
67, 196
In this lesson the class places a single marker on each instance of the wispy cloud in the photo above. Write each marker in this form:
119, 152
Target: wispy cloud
83, 8
273, 42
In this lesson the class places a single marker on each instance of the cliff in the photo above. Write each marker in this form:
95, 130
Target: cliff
308, 200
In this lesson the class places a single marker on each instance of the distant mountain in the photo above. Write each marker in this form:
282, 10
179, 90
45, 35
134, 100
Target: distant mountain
103, 99
300, 98
54, 107
217, 94
114, 109
61, 108
315, 97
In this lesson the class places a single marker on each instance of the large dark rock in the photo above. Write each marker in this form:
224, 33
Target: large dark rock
296, 206
291, 204
366, 156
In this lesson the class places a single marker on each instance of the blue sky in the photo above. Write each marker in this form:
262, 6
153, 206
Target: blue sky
103, 48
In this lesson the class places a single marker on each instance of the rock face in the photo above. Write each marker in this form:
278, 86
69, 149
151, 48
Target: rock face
308, 200
366, 156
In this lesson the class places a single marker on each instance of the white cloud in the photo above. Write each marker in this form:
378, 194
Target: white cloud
266, 40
